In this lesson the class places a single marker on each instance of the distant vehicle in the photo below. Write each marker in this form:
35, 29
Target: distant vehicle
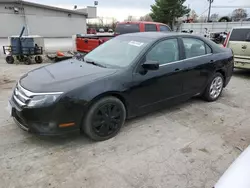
91, 31
125, 77
237, 175
101, 30
239, 41
110, 31
86, 44
132, 27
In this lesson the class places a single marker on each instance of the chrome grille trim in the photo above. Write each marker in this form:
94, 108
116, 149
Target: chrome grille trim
19, 102
31, 94
20, 93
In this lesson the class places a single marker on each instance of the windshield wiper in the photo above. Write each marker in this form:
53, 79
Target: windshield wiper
96, 64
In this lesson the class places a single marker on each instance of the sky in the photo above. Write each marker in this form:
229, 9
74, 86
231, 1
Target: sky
121, 9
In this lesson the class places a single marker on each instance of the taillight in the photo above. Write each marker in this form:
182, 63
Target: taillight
226, 41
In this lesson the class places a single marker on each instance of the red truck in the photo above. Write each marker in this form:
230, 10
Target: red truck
86, 43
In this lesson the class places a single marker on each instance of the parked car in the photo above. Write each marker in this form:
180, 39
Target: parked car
239, 41
110, 31
132, 27
125, 77
85, 44
237, 175
101, 30
91, 31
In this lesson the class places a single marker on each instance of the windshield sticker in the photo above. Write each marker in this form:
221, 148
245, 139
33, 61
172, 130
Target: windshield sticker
134, 43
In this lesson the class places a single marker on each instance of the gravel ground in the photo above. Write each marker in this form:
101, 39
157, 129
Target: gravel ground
186, 146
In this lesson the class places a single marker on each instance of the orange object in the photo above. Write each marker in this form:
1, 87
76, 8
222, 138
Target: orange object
67, 125
59, 54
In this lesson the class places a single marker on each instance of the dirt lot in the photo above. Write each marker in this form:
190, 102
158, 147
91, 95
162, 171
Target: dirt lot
186, 146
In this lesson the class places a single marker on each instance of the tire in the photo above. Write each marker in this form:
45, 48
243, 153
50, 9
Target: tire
10, 59
214, 88
27, 61
107, 122
38, 59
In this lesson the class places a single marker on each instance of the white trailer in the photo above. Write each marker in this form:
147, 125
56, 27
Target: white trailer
214, 27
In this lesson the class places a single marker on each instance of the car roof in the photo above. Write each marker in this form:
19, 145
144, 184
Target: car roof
242, 27
156, 35
138, 22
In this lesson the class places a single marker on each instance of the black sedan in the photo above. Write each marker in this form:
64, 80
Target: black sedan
127, 76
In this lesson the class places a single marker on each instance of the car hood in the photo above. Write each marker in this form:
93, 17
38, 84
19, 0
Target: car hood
63, 76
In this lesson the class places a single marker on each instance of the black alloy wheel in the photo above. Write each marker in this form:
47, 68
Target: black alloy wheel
104, 119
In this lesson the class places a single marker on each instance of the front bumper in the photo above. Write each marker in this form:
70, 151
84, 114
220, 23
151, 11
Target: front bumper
47, 120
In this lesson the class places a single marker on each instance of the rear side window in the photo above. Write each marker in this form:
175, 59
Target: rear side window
150, 27
240, 35
164, 28
127, 28
195, 47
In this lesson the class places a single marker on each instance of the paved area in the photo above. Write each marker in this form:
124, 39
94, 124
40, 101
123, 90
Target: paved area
186, 146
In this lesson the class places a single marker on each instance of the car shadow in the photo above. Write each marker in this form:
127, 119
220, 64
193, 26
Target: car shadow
242, 73
79, 139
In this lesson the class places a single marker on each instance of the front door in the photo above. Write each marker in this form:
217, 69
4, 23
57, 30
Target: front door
154, 87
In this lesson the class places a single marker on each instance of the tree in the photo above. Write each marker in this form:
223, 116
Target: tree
147, 18
239, 14
131, 18
214, 17
202, 19
167, 11
193, 15
113, 23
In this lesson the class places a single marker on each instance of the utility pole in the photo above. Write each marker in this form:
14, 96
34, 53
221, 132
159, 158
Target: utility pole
209, 10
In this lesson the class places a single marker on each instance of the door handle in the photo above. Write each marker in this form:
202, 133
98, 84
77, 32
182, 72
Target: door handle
177, 69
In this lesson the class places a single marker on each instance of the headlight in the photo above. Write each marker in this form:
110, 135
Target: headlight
42, 100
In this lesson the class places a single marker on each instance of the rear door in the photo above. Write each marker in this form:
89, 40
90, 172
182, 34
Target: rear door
197, 65
239, 42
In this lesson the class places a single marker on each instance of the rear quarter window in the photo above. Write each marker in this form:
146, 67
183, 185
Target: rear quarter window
240, 34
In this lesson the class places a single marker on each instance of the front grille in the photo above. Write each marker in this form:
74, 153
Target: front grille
20, 96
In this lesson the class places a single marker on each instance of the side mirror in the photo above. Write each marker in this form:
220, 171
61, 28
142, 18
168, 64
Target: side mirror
151, 65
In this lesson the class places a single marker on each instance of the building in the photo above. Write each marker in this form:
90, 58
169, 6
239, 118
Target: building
43, 20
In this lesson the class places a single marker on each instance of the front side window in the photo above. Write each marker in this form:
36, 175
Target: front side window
150, 27
164, 28
194, 47
164, 52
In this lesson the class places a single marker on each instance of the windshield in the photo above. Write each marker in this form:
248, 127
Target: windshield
118, 52
127, 28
